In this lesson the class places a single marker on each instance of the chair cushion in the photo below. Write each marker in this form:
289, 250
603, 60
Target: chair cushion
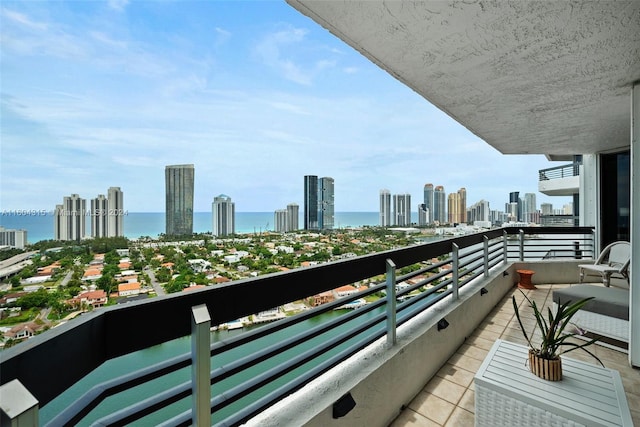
612, 302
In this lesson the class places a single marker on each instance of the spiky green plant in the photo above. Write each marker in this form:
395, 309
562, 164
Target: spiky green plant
555, 336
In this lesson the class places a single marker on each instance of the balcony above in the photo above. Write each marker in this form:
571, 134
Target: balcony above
560, 180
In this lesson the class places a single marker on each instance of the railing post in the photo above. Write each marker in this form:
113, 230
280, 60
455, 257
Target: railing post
454, 268
18, 406
391, 302
505, 247
521, 245
486, 256
201, 366
576, 250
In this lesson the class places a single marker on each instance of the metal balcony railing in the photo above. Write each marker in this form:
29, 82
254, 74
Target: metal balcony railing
253, 370
557, 172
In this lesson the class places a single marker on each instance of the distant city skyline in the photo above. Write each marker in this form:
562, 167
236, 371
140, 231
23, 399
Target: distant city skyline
252, 93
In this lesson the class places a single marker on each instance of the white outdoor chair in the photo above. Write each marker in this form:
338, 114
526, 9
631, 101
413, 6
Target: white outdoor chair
614, 260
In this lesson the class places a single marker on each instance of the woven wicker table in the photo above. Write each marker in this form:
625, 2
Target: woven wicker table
508, 394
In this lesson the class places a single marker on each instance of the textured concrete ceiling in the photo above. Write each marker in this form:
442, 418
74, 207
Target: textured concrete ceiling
545, 77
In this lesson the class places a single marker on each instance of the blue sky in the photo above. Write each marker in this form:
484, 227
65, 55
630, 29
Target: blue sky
254, 94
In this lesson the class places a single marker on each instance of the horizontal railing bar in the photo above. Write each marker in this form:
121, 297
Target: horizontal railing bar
409, 308
137, 411
146, 407
73, 413
246, 413
234, 394
261, 355
469, 278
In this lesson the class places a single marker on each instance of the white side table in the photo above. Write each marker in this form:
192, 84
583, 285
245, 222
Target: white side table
508, 394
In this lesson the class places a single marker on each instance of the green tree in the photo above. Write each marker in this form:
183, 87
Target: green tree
38, 299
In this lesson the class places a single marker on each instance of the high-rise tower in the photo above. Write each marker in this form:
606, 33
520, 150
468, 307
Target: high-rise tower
99, 210
326, 207
457, 204
515, 205
423, 214
529, 207
385, 208
319, 203
70, 219
179, 181
224, 212
115, 213
293, 213
428, 199
439, 203
311, 202
402, 209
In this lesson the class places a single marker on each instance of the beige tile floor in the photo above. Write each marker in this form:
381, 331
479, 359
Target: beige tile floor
448, 399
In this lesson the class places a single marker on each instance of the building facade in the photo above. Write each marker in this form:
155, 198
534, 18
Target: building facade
311, 203
179, 182
14, 238
286, 220
293, 215
457, 207
319, 203
529, 208
428, 200
439, 203
402, 210
479, 212
116, 212
70, 219
514, 208
280, 221
326, 206
423, 214
99, 210
385, 208
224, 211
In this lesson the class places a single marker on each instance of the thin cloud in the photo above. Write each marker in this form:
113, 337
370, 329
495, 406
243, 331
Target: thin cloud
23, 20
270, 49
118, 5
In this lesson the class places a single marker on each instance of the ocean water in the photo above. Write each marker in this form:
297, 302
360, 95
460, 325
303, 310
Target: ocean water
137, 224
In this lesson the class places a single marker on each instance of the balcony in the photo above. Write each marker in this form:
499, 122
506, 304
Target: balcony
448, 398
376, 352
560, 180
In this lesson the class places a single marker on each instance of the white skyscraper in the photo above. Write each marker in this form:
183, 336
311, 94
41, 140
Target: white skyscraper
99, 210
385, 208
223, 210
402, 209
423, 214
280, 221
293, 213
70, 218
286, 220
529, 207
115, 213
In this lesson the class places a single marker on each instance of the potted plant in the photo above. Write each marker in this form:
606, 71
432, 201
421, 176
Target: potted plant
544, 360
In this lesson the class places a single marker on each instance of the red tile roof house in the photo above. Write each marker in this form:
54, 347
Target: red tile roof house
344, 291
127, 289
93, 298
